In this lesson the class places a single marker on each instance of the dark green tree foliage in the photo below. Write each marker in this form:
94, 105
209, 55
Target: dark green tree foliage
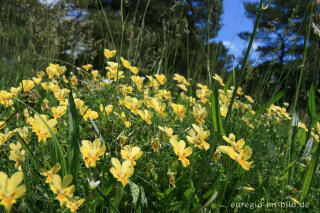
281, 29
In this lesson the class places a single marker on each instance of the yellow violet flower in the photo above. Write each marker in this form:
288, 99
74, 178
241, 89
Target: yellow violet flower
61, 188
199, 113
219, 79
121, 172
241, 157
17, 154
159, 107
133, 104
124, 120
137, 81
204, 93
134, 70
90, 114
168, 132
87, 67
125, 63
49, 174
146, 116
74, 204
6, 98
161, 78
27, 85
109, 53
91, 152
58, 111
10, 189
179, 110
37, 81
197, 137
131, 154
126, 90
39, 127
155, 142
15, 91
232, 141
181, 151
5, 136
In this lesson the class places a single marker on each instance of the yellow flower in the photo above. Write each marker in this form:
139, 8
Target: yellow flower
61, 188
90, 114
152, 82
58, 111
172, 179
126, 90
146, 116
125, 63
131, 154
92, 151
179, 78
37, 81
181, 151
27, 85
124, 120
49, 174
137, 81
203, 93
183, 87
134, 70
95, 74
87, 67
38, 126
74, 80
219, 79
73, 204
197, 137
179, 109
159, 107
161, 78
163, 94
17, 154
109, 53
6, 98
108, 109
24, 133
61, 94
55, 69
15, 91
5, 136
168, 132
155, 142
121, 172
241, 157
249, 99
133, 104
10, 189
199, 113
232, 140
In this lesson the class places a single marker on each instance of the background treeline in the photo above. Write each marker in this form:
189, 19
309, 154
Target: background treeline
165, 36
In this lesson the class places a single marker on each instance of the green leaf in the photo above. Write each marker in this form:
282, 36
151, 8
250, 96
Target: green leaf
312, 102
310, 173
34, 158
228, 83
118, 195
134, 188
190, 191
73, 140
216, 115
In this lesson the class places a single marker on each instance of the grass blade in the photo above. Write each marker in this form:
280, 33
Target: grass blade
312, 102
74, 136
34, 158
310, 173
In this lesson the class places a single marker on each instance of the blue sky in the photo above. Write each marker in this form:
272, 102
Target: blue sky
234, 21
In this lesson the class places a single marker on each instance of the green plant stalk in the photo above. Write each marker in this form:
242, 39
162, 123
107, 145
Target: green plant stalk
310, 173
73, 140
243, 66
291, 139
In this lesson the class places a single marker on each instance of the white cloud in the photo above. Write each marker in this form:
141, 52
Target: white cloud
230, 45
255, 45
49, 2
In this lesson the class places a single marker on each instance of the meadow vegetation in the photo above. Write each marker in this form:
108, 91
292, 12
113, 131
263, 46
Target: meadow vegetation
115, 132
